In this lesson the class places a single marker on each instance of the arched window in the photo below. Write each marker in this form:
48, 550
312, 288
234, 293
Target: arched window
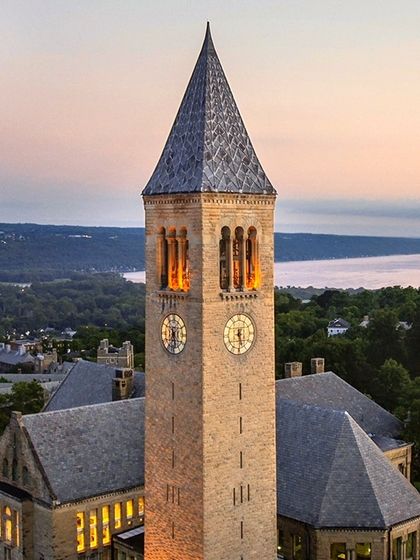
224, 256
173, 259
5, 468
25, 476
239, 259
8, 524
162, 258
253, 273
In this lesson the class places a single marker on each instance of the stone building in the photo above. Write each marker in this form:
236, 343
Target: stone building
70, 480
118, 357
210, 418
342, 475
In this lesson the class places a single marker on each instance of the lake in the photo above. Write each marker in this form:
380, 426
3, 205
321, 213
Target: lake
366, 272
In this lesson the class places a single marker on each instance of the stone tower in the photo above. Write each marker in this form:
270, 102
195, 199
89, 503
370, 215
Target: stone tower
210, 405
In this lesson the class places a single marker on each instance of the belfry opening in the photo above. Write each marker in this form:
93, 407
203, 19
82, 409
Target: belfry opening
239, 266
173, 259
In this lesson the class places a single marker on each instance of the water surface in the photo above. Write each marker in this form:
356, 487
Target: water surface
367, 272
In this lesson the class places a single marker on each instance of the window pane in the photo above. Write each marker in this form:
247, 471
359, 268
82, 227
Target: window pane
363, 551
411, 545
93, 528
80, 527
141, 505
397, 549
130, 508
338, 551
297, 547
106, 533
117, 515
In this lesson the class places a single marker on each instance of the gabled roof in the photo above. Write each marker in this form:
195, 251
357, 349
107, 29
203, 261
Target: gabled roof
330, 473
208, 148
339, 324
90, 450
330, 391
89, 383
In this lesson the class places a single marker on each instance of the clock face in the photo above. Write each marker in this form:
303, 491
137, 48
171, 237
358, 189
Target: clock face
239, 334
174, 333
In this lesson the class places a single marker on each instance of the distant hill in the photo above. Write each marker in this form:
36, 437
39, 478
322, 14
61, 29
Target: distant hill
30, 252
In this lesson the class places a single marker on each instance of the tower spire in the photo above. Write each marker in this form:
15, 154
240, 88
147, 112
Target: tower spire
208, 148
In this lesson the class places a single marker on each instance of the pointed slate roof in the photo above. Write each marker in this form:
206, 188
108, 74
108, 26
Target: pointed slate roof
208, 148
330, 474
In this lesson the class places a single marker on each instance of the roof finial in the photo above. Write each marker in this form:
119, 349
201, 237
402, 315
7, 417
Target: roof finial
208, 41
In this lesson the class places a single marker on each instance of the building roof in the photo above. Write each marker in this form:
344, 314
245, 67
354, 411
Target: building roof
90, 450
208, 148
89, 383
330, 391
15, 357
339, 324
330, 473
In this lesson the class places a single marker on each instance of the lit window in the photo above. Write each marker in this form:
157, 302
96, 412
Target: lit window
363, 551
141, 505
253, 273
17, 525
8, 525
130, 509
411, 545
80, 526
106, 533
338, 551
93, 528
173, 259
117, 515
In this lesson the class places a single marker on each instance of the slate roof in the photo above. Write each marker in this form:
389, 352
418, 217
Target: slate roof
14, 358
90, 450
339, 324
330, 391
208, 148
89, 383
330, 473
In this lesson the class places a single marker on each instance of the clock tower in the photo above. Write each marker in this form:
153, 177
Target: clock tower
210, 398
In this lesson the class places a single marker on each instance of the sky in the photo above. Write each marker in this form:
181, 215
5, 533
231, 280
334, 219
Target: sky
329, 91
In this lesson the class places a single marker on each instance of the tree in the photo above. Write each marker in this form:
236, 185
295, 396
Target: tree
391, 385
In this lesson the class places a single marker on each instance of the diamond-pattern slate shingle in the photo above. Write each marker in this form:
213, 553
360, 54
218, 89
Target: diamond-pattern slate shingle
208, 148
90, 450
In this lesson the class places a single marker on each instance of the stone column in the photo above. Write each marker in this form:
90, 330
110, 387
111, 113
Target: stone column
181, 262
242, 254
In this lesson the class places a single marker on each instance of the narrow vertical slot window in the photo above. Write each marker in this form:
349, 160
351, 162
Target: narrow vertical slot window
240, 425
173, 459
242, 529
234, 496
117, 515
173, 424
173, 530
249, 493
173, 391
106, 532
93, 528
130, 509
80, 531
242, 495
179, 496
240, 391
241, 460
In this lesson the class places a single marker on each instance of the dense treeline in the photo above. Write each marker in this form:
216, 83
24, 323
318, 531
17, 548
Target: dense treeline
382, 359
32, 252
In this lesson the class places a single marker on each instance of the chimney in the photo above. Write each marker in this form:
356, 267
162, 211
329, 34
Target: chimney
293, 369
8, 348
317, 365
22, 350
2, 346
103, 345
122, 384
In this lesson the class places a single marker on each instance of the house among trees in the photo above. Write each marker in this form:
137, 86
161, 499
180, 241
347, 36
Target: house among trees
337, 327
